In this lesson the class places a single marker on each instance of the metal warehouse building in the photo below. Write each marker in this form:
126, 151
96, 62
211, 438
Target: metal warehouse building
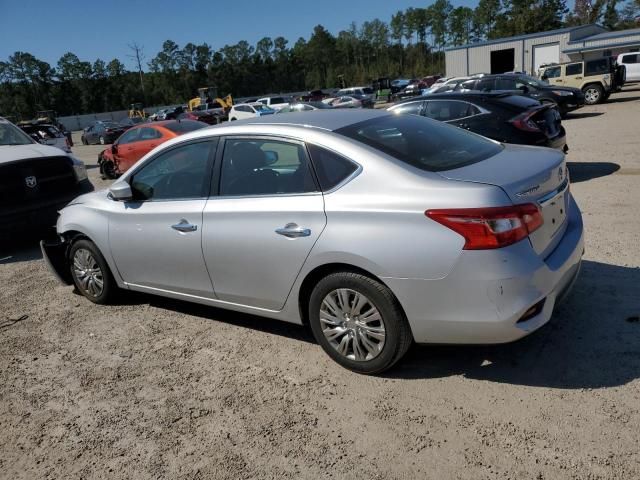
527, 52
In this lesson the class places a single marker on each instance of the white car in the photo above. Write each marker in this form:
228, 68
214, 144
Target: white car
632, 62
366, 92
249, 110
276, 103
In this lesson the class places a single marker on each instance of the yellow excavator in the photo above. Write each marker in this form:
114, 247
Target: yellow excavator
207, 98
136, 110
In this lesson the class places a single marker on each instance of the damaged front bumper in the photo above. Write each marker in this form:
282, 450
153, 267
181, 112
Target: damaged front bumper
55, 254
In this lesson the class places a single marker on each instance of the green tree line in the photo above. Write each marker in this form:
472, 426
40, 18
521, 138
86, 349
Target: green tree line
410, 44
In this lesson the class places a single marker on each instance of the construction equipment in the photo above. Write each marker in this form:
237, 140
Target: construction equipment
207, 98
136, 110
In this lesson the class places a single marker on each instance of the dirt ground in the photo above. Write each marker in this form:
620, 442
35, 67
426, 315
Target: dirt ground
156, 388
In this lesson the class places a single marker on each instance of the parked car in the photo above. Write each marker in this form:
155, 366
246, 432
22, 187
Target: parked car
566, 99
102, 132
313, 96
412, 90
359, 92
275, 103
409, 230
447, 86
136, 142
502, 117
35, 182
206, 116
631, 62
249, 110
597, 78
350, 101
132, 121
304, 107
399, 83
47, 135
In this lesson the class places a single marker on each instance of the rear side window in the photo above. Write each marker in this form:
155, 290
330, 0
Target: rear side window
421, 142
630, 58
446, 110
596, 67
185, 126
486, 84
332, 169
574, 69
505, 83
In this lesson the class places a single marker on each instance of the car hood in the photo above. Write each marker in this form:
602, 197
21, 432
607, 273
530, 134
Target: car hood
12, 153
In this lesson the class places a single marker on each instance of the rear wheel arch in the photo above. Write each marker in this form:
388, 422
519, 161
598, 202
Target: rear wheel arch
318, 273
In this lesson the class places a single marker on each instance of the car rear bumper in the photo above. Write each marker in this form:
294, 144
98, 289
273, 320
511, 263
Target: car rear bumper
486, 295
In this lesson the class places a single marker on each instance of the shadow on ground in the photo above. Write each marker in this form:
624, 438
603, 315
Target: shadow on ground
577, 115
583, 171
622, 99
592, 341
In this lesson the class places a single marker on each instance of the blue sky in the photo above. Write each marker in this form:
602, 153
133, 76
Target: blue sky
102, 29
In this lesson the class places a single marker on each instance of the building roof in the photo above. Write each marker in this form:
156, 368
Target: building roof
524, 37
608, 35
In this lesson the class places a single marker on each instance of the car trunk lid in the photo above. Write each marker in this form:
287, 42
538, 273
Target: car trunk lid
527, 175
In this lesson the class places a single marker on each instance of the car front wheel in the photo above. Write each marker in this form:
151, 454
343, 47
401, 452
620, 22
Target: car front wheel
90, 272
358, 322
592, 94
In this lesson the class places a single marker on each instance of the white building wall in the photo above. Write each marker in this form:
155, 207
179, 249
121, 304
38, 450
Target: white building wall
456, 63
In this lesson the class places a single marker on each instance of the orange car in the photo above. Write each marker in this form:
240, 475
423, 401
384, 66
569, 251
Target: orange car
136, 142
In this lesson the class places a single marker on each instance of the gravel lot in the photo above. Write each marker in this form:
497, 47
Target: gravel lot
156, 388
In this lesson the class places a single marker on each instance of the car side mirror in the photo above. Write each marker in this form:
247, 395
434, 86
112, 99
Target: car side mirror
121, 191
271, 156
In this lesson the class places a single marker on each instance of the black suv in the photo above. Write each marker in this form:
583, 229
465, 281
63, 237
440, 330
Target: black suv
500, 116
566, 99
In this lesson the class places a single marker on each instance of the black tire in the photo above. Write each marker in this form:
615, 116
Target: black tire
397, 332
593, 94
232, 119
84, 140
109, 286
109, 170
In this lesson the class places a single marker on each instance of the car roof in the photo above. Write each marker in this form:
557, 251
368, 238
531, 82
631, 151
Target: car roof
328, 119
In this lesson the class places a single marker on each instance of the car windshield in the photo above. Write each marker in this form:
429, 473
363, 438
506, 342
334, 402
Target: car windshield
12, 135
421, 142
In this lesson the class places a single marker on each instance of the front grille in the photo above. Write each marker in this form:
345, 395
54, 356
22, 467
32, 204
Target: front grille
33, 182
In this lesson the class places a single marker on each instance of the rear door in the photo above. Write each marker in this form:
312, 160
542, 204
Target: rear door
574, 74
260, 227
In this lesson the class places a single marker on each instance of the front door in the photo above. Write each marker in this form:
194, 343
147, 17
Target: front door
155, 238
574, 74
260, 227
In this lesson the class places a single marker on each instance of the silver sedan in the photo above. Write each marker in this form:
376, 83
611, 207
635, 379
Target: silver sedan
374, 229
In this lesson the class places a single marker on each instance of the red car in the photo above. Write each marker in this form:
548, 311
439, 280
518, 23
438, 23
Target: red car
136, 142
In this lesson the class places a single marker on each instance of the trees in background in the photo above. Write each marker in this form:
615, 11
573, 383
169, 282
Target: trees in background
411, 44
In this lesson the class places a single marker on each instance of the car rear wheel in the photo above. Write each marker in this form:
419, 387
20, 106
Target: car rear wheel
84, 141
90, 272
358, 322
592, 94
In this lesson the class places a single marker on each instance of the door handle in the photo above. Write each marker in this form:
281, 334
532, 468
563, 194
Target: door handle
184, 226
578, 78
292, 230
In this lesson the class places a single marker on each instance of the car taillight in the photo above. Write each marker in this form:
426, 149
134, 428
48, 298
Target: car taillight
493, 227
524, 122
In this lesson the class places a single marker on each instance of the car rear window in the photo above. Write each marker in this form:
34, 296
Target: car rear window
422, 143
367, 90
184, 126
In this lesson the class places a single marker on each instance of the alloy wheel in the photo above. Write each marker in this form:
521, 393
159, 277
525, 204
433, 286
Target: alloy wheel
591, 95
352, 325
88, 272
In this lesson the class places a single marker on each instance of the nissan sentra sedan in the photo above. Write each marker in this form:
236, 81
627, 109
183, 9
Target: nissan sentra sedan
376, 230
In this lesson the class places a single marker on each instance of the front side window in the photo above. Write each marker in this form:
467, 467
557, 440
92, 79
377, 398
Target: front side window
149, 134
178, 174
421, 142
130, 136
631, 58
553, 72
265, 167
